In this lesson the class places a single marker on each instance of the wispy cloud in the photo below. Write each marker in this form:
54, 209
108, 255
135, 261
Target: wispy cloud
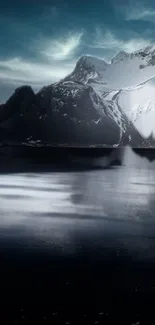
137, 11
54, 60
63, 48
19, 71
141, 13
49, 52
105, 40
109, 41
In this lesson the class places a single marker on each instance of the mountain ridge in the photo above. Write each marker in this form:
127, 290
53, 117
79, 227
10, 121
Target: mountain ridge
85, 102
126, 74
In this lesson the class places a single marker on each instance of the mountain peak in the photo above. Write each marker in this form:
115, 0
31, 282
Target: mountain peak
87, 68
147, 50
89, 60
120, 56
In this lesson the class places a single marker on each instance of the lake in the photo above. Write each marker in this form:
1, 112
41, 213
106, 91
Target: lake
79, 246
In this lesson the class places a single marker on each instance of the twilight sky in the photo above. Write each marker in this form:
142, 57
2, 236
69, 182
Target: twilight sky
41, 40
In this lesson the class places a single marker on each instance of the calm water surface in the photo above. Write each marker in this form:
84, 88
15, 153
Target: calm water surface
91, 233
118, 200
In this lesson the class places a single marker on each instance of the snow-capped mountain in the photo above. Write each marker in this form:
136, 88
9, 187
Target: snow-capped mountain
79, 104
77, 114
139, 105
87, 69
127, 83
98, 103
66, 112
125, 70
61, 113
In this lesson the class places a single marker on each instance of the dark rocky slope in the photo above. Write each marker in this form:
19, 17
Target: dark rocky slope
63, 113
74, 114
18, 115
56, 115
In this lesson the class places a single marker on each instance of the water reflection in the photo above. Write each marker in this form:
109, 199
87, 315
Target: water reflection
105, 193
125, 194
117, 201
91, 230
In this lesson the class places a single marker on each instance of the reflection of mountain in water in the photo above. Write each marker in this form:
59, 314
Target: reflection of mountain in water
147, 153
23, 159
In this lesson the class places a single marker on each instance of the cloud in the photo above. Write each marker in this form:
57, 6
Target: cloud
137, 11
18, 71
54, 60
144, 14
63, 48
134, 44
141, 14
105, 40
108, 41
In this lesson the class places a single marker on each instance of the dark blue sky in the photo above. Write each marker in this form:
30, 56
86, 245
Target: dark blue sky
42, 40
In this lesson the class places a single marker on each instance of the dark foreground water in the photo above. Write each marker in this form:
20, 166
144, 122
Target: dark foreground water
78, 247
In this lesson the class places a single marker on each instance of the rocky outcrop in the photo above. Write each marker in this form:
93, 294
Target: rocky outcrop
18, 114
74, 114
64, 113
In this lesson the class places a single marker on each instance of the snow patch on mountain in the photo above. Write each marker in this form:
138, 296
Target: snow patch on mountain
146, 124
125, 70
137, 101
125, 86
127, 73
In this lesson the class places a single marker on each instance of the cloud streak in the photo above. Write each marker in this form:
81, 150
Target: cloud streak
55, 59
141, 14
137, 12
107, 40
63, 48
18, 71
